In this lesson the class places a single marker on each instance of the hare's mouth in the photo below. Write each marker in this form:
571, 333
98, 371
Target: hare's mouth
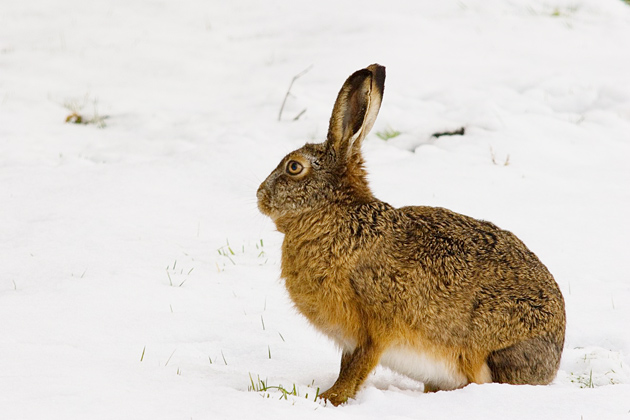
265, 208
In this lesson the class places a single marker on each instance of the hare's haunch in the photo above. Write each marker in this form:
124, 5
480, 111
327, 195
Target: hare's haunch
435, 295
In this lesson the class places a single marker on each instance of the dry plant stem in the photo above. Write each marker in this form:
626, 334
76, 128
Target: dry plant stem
297, 117
297, 76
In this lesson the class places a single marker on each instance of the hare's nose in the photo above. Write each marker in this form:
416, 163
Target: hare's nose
260, 193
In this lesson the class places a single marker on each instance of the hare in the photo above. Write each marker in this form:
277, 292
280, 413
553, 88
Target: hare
435, 295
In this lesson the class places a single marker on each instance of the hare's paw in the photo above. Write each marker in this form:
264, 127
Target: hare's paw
336, 396
430, 388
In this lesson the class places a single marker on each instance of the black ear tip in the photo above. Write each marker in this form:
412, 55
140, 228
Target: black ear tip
378, 74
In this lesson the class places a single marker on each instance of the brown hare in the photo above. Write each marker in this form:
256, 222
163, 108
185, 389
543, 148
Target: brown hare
440, 297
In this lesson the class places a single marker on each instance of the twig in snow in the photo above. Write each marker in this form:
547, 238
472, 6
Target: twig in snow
297, 117
459, 132
297, 76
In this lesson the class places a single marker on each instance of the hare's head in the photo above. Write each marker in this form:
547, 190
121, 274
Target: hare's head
318, 175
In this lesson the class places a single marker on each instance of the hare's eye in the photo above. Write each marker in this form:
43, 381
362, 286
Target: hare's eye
294, 167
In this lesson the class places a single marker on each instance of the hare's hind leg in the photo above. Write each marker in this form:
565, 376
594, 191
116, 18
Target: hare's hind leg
475, 367
534, 361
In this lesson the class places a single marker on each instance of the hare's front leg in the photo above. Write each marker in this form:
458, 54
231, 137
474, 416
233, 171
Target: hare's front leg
355, 367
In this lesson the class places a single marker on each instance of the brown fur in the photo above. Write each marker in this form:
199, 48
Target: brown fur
418, 281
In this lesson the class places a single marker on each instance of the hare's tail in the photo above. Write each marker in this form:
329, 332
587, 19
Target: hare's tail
534, 361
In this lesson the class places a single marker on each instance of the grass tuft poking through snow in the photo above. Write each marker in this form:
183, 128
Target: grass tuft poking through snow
387, 133
77, 115
262, 387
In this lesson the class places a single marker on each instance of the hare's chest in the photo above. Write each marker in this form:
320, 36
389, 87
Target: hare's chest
326, 307
423, 367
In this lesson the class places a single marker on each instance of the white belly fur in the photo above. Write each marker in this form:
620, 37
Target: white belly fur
412, 363
424, 368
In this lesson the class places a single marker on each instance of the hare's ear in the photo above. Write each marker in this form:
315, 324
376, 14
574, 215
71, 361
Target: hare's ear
355, 111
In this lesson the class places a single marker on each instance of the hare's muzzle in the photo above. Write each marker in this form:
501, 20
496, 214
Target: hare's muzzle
263, 199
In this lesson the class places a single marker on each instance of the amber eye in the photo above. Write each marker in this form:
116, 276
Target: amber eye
294, 167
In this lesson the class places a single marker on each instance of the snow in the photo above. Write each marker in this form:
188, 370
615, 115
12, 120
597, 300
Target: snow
138, 279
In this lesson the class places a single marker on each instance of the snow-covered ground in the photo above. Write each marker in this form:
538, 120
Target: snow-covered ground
139, 281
